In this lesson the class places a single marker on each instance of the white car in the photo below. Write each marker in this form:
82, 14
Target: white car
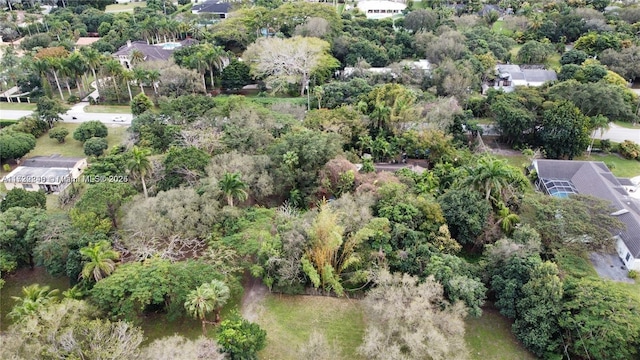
118, 119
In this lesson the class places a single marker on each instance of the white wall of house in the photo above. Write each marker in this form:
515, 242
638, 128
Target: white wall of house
630, 262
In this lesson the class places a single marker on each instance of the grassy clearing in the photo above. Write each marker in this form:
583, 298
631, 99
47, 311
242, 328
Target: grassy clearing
489, 338
627, 125
289, 321
73, 148
553, 62
498, 28
127, 7
514, 51
17, 106
514, 160
117, 109
621, 167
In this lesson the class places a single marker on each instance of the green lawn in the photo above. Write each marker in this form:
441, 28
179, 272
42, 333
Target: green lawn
489, 337
621, 167
128, 7
118, 109
289, 320
498, 28
73, 148
627, 125
514, 51
515, 160
17, 106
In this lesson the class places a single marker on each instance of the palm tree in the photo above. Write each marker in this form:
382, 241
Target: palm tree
490, 175
215, 57
41, 67
139, 164
93, 59
600, 124
198, 61
101, 260
33, 298
206, 298
154, 77
127, 76
233, 187
76, 62
113, 69
55, 64
140, 75
507, 219
136, 57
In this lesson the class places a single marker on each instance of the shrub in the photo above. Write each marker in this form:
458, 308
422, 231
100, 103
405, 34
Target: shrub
95, 146
632, 274
605, 145
59, 134
90, 129
629, 150
73, 99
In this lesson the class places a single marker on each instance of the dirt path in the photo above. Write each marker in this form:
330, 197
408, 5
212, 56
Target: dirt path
254, 293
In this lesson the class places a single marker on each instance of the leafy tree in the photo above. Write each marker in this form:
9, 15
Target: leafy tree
95, 146
139, 165
177, 347
599, 320
595, 43
338, 93
235, 76
254, 170
206, 298
90, 129
421, 20
104, 200
25, 199
232, 186
14, 145
406, 317
466, 213
623, 62
140, 104
534, 52
493, 177
508, 280
59, 134
153, 284
565, 131
100, 262
183, 165
539, 308
241, 339
18, 237
49, 110
573, 56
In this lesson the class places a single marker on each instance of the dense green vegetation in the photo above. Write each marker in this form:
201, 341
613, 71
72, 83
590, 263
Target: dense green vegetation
204, 194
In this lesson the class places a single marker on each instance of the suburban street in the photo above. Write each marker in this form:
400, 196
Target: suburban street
615, 133
76, 111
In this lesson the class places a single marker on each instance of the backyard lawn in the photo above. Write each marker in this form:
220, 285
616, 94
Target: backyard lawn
489, 337
73, 148
118, 109
17, 106
289, 320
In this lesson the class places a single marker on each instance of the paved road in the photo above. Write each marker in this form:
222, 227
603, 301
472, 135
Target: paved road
620, 134
76, 111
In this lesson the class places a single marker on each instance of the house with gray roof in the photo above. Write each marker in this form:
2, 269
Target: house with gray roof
217, 8
508, 76
51, 174
561, 178
151, 52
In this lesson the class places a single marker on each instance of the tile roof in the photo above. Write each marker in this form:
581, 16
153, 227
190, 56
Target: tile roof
530, 74
595, 179
212, 6
151, 52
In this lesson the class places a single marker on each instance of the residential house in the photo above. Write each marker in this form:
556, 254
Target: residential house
421, 64
509, 76
151, 52
562, 178
216, 8
49, 173
374, 9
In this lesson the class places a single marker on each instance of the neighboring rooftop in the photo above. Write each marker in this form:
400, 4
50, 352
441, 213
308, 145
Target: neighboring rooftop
529, 74
212, 7
53, 161
153, 52
595, 179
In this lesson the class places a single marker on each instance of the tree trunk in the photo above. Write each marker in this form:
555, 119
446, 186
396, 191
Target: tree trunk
115, 88
230, 200
141, 88
55, 76
95, 78
204, 83
211, 75
204, 327
129, 89
68, 87
144, 187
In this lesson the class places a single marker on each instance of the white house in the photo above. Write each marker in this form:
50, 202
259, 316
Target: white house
421, 64
509, 76
51, 174
374, 9
561, 178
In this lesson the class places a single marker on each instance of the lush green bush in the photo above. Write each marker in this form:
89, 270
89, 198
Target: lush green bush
90, 129
629, 150
95, 146
241, 339
59, 134
23, 198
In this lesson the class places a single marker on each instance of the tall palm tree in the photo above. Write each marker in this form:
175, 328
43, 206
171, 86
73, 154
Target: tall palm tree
113, 68
127, 76
198, 61
206, 298
215, 57
42, 67
600, 124
136, 57
33, 298
55, 64
140, 75
101, 262
233, 187
490, 175
94, 60
154, 77
140, 165
76, 62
